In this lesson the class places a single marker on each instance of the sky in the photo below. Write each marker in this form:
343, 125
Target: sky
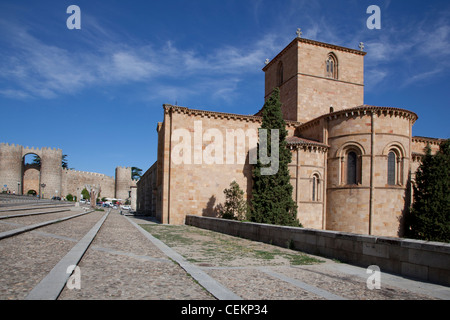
97, 92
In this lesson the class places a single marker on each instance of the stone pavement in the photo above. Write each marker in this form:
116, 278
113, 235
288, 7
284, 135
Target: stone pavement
258, 271
178, 262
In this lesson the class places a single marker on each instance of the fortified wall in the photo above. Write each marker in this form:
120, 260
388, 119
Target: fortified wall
73, 182
49, 179
12, 169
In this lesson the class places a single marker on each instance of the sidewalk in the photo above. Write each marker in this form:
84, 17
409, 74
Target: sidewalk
122, 264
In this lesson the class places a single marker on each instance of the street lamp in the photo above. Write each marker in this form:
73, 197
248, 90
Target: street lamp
43, 186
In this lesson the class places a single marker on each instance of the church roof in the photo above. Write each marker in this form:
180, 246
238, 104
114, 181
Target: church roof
299, 141
362, 110
223, 115
428, 139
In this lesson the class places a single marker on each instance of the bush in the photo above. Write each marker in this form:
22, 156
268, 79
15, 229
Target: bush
235, 207
69, 197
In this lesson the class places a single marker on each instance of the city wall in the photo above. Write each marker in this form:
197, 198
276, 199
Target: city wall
74, 182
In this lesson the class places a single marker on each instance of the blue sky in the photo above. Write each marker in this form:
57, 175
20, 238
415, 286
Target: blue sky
97, 93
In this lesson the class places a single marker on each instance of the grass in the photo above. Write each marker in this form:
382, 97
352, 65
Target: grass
169, 235
207, 247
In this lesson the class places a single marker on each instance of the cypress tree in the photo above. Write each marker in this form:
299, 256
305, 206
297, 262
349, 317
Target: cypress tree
272, 201
429, 218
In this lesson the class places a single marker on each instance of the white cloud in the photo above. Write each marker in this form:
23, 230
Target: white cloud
423, 76
15, 94
38, 69
406, 58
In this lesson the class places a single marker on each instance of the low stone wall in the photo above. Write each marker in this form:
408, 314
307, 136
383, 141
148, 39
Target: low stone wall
422, 260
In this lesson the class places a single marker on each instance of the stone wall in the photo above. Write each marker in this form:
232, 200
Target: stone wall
11, 167
308, 163
195, 185
371, 205
147, 192
418, 144
427, 261
74, 182
51, 172
124, 185
11, 171
58, 181
307, 92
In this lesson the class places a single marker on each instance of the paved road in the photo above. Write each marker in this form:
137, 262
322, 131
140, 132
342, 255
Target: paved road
118, 259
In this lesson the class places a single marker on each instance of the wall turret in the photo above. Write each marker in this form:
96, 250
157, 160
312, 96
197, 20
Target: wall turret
123, 183
51, 172
11, 167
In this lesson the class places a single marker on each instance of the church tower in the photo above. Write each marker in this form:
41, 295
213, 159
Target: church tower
315, 78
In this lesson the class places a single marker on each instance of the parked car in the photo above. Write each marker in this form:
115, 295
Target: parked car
82, 201
126, 207
56, 198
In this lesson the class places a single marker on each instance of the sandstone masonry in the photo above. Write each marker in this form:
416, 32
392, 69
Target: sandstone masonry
352, 163
58, 181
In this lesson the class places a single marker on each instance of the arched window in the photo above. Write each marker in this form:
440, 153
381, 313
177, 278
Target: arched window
352, 177
315, 187
391, 172
332, 66
280, 75
351, 156
395, 164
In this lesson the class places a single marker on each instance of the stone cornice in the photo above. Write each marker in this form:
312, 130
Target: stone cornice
316, 43
298, 142
361, 110
435, 141
221, 115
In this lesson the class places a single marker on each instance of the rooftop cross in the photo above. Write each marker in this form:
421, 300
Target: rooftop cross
361, 46
299, 33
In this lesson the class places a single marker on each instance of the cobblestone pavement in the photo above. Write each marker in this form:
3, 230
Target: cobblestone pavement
258, 271
122, 263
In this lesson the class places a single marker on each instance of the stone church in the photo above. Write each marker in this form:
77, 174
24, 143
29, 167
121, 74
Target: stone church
352, 163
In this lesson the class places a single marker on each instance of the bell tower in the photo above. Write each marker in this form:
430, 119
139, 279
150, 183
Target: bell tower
315, 78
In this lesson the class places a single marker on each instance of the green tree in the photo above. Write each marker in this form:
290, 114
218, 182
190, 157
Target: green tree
429, 218
69, 197
36, 160
64, 162
85, 194
136, 173
272, 194
235, 207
